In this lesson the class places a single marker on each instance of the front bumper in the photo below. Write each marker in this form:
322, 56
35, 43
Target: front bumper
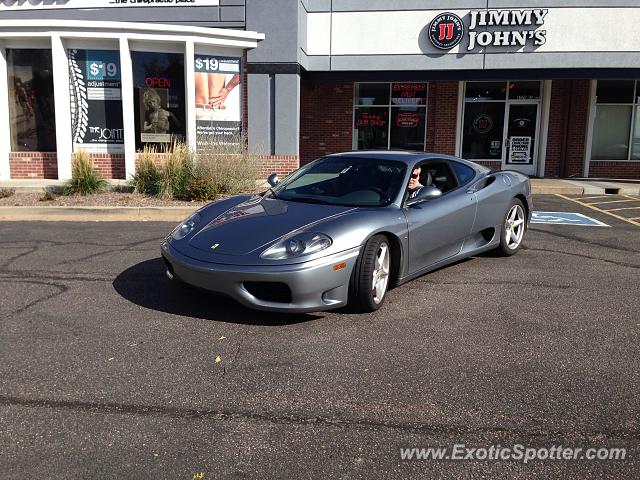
315, 285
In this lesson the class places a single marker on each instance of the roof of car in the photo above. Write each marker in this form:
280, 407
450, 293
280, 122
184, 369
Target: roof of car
406, 156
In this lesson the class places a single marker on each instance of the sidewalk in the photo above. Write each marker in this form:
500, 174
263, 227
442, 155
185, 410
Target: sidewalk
539, 186
548, 186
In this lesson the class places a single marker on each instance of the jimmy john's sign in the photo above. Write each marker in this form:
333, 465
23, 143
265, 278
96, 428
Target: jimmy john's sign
498, 28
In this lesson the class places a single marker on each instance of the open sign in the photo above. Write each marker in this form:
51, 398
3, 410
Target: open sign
157, 82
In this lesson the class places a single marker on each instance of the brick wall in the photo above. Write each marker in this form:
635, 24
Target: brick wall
326, 113
578, 111
33, 165
614, 170
280, 164
442, 117
109, 165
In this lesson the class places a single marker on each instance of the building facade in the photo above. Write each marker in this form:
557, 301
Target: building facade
546, 87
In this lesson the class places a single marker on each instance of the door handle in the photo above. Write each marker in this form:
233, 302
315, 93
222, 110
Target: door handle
506, 142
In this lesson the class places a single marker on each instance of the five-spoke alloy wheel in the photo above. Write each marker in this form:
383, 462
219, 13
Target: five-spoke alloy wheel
513, 229
371, 274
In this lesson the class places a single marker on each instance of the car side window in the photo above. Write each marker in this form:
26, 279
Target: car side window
465, 174
442, 176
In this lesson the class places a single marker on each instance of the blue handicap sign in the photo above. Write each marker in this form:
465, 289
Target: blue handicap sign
565, 218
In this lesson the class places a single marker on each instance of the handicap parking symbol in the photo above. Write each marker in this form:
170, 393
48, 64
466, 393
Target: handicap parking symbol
565, 218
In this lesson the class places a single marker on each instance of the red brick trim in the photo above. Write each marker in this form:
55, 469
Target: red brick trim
109, 165
280, 164
326, 115
442, 117
43, 165
598, 169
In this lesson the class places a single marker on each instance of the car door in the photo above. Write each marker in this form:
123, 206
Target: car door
437, 228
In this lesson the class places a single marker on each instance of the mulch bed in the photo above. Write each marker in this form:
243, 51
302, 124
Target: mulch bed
110, 199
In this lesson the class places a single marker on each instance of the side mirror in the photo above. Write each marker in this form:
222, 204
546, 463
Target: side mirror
273, 179
424, 194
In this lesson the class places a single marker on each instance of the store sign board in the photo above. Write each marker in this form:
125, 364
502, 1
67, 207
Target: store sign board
498, 28
218, 100
55, 4
96, 105
519, 148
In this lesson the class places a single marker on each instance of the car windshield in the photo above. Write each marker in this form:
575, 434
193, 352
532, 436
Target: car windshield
348, 181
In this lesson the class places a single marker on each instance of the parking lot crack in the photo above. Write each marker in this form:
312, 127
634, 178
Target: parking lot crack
297, 419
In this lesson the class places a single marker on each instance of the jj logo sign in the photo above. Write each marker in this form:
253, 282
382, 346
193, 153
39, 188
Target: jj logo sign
446, 31
498, 28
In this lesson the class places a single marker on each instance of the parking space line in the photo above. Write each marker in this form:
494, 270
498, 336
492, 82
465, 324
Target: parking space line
593, 198
588, 205
624, 208
613, 201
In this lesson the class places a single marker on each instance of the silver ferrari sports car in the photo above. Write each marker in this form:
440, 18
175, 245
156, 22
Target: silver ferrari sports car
345, 228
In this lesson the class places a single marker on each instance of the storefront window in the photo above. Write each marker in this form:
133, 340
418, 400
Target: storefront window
390, 115
159, 98
483, 130
487, 107
616, 130
96, 100
31, 104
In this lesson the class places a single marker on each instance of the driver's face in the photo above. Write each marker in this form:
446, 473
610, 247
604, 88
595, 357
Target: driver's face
414, 180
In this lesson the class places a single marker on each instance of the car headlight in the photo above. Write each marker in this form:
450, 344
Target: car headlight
186, 227
297, 246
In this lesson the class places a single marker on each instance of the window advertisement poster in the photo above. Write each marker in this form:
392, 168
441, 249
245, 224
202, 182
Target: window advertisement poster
96, 101
218, 99
159, 98
519, 148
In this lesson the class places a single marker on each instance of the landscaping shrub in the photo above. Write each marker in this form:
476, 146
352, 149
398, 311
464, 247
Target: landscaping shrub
231, 167
85, 179
47, 196
146, 180
175, 173
7, 192
184, 175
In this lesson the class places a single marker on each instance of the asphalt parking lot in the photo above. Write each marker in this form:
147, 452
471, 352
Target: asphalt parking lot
109, 371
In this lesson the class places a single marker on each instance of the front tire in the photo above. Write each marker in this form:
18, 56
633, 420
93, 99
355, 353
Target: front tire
371, 275
514, 226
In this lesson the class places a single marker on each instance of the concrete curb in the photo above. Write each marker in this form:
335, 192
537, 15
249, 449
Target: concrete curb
95, 214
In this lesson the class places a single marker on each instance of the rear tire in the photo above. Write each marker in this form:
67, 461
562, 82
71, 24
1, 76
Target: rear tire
514, 226
371, 274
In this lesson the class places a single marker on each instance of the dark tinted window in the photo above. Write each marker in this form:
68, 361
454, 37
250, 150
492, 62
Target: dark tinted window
479, 91
372, 127
615, 91
372, 94
465, 174
31, 106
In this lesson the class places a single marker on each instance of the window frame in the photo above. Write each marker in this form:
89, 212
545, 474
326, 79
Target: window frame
389, 106
635, 105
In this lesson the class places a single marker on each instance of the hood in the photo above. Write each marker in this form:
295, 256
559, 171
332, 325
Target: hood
258, 221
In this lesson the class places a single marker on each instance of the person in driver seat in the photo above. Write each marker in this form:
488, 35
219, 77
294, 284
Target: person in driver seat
414, 182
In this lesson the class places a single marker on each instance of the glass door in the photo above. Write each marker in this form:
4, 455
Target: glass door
521, 132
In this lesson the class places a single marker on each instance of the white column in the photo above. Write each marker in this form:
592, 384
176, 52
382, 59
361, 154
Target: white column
62, 106
5, 133
190, 87
128, 121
